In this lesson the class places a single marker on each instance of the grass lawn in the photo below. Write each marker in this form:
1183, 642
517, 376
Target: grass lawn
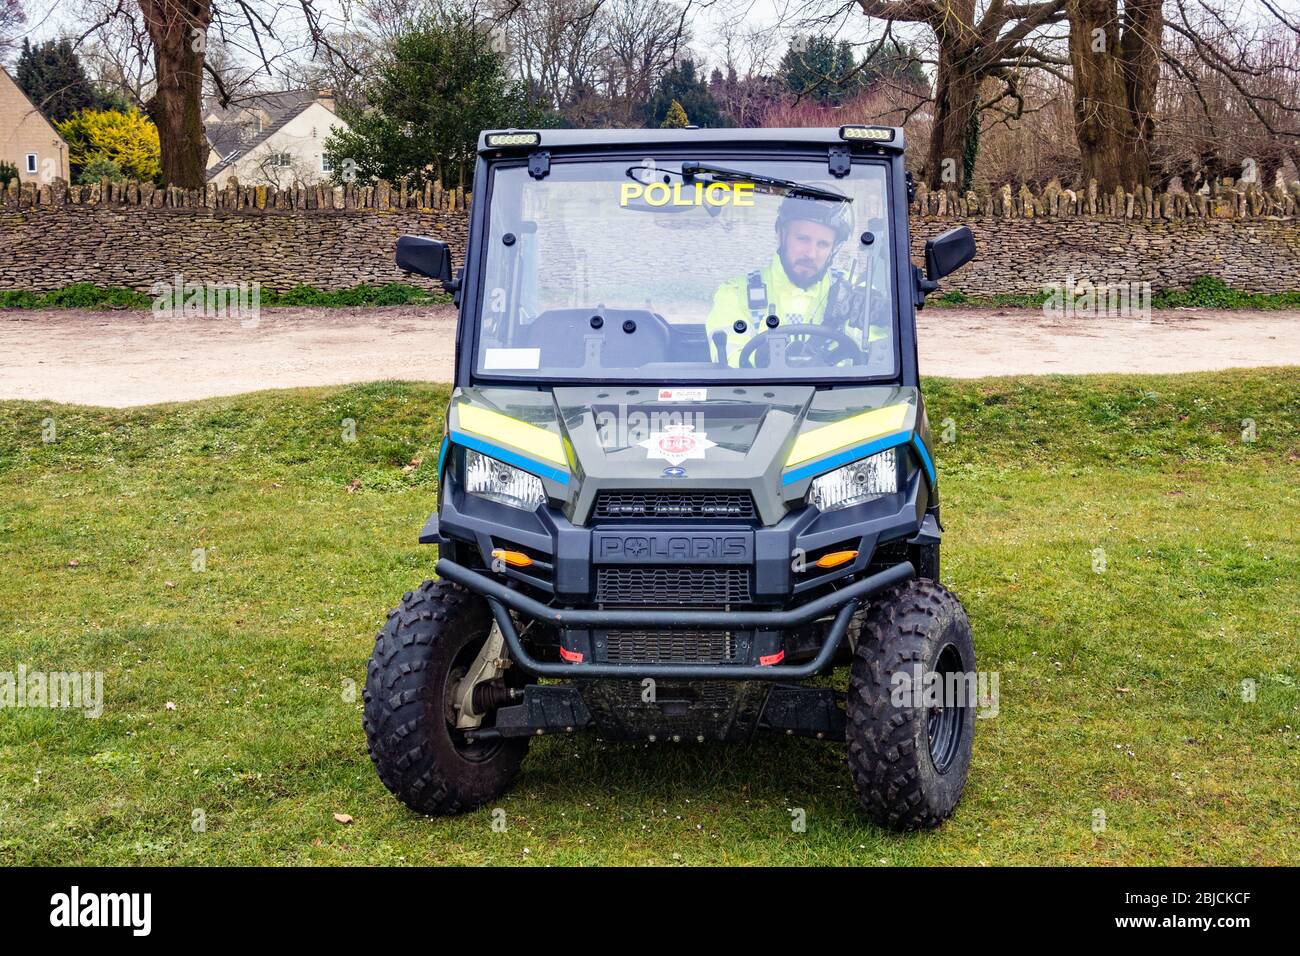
1121, 689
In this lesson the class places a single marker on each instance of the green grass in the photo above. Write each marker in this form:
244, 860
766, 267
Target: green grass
1120, 691
86, 295
1015, 300
1204, 292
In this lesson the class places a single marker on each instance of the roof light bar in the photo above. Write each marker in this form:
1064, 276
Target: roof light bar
512, 138
875, 134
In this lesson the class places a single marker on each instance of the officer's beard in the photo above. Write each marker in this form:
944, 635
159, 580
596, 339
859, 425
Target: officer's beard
798, 278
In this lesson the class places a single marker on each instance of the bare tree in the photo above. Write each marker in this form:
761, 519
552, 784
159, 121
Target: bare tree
1233, 84
975, 41
597, 61
117, 53
1037, 146
12, 19
345, 73
1230, 99
555, 45
743, 83
642, 39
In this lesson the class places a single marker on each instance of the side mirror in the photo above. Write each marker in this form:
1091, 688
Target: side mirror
948, 252
424, 256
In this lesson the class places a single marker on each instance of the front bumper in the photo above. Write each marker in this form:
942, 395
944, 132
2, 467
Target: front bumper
842, 602
567, 555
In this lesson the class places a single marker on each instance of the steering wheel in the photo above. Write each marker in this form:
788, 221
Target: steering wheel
804, 344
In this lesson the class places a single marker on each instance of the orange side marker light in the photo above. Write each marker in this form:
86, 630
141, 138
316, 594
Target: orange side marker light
516, 559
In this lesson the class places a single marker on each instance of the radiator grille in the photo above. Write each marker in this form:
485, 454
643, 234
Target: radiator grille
670, 647
705, 505
672, 586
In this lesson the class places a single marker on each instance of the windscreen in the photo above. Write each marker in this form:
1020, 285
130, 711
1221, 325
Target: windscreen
688, 269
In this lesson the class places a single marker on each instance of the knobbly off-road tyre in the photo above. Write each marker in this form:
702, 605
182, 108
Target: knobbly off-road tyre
902, 779
427, 764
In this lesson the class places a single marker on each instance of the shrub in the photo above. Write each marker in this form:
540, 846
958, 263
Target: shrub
129, 139
86, 295
101, 167
298, 295
18, 299
1211, 292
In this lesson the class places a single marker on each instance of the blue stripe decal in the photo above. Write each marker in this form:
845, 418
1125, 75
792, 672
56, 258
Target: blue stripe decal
925, 458
442, 456
846, 456
512, 458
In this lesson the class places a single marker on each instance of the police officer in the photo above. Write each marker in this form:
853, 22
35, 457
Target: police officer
795, 286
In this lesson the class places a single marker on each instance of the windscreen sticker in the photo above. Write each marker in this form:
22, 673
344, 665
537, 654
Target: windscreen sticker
502, 360
686, 194
683, 394
676, 444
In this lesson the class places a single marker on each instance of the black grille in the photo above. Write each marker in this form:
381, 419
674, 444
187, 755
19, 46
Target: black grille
674, 504
670, 647
674, 586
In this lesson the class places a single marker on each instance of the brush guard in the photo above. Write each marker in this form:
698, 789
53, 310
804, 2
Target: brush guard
842, 602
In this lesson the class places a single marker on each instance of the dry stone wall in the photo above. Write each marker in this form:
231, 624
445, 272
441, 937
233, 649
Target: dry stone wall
1245, 235
134, 235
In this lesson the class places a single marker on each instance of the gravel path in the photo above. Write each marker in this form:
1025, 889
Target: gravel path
131, 358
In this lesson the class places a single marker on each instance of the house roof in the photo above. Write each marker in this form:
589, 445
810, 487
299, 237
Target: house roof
275, 105
229, 135
33, 108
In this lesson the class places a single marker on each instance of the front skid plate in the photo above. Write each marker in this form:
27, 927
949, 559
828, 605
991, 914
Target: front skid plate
674, 711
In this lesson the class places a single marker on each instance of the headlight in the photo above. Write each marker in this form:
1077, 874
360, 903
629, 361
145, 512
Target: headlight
853, 484
497, 481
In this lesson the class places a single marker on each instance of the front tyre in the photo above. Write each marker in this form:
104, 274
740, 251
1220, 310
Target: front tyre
909, 736
427, 645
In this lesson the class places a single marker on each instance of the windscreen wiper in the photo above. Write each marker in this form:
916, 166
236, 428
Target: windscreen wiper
718, 174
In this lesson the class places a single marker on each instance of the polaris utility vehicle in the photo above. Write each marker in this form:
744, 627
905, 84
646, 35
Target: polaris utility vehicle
686, 469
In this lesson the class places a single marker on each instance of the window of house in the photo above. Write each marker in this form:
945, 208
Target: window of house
281, 160
31, 163
325, 164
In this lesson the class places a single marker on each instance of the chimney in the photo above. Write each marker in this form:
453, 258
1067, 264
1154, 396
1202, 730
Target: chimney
326, 99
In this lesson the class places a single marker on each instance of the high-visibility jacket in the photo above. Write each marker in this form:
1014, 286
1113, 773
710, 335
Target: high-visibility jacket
750, 299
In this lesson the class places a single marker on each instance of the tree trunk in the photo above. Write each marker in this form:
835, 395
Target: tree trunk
178, 29
1101, 116
1114, 89
1144, 25
956, 104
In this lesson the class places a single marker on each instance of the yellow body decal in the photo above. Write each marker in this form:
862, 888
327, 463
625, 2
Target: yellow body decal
530, 439
860, 428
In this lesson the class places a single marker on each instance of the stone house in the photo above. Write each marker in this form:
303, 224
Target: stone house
27, 139
273, 139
